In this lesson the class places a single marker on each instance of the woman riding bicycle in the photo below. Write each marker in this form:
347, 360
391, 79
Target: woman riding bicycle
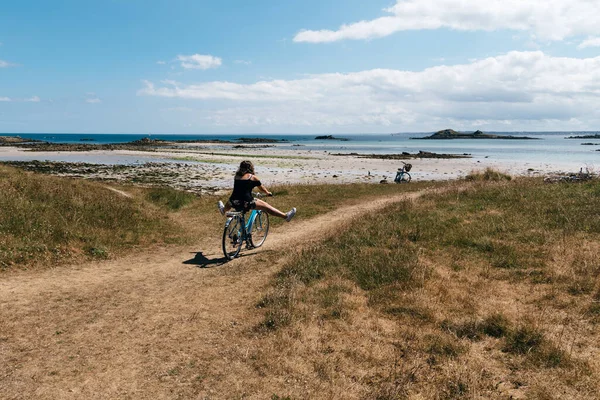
241, 199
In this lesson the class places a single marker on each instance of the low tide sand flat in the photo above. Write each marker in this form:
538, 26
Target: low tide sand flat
206, 163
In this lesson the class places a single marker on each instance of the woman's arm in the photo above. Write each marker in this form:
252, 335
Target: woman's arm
262, 187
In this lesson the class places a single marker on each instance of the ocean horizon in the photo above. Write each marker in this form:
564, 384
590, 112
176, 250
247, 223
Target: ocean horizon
552, 147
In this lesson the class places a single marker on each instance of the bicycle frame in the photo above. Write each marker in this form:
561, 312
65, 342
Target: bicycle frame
399, 175
247, 224
250, 221
402, 176
242, 230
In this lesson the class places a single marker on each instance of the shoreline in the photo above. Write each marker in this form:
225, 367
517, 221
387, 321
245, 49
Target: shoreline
209, 168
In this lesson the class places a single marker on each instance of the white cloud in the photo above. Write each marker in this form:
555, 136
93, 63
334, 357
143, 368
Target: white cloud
5, 99
33, 99
93, 101
5, 64
244, 62
590, 42
518, 86
161, 62
199, 61
170, 82
550, 19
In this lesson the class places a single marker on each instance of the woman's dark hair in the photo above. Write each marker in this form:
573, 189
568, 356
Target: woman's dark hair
246, 167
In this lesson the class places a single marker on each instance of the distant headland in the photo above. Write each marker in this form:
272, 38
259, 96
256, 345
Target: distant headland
452, 134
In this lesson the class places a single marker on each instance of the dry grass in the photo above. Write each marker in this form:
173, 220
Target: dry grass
488, 292
483, 290
489, 174
47, 220
152, 324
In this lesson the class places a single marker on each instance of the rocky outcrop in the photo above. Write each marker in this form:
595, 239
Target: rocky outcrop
594, 136
330, 137
15, 140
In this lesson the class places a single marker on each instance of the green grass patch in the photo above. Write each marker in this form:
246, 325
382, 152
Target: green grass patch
523, 340
529, 341
47, 220
440, 347
369, 253
170, 198
372, 254
331, 301
496, 325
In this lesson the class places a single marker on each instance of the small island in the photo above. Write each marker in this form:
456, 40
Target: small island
330, 137
594, 136
452, 134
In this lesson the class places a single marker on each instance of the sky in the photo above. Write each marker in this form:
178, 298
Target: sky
304, 67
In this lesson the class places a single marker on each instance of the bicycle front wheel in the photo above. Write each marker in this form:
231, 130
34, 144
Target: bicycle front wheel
260, 229
405, 178
232, 237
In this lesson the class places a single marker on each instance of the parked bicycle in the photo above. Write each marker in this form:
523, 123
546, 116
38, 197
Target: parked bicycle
402, 176
238, 230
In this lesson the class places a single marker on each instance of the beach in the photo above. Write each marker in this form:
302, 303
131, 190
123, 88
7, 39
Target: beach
205, 167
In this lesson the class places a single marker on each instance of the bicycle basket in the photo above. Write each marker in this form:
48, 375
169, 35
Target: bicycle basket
408, 167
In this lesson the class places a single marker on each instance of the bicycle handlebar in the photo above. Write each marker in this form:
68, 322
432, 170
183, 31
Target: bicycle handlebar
258, 195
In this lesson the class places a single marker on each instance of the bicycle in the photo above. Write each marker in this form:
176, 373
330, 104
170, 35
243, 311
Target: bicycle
402, 176
239, 230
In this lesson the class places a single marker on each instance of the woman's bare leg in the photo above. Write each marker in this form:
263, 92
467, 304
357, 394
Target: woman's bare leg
266, 207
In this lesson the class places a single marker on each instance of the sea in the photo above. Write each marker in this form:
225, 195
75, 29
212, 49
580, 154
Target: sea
549, 148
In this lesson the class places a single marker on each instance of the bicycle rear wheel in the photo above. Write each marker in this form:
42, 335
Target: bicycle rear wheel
405, 178
260, 229
232, 237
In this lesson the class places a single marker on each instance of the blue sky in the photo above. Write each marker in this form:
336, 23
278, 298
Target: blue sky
132, 66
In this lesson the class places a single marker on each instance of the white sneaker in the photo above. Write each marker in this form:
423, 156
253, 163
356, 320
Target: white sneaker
221, 207
290, 214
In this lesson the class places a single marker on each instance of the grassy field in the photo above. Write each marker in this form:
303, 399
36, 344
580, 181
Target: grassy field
47, 221
487, 290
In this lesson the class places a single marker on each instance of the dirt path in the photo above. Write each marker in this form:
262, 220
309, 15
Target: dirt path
147, 326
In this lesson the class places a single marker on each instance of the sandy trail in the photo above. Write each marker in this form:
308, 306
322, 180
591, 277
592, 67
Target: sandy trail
152, 325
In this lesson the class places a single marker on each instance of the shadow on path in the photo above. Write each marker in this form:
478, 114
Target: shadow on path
204, 262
